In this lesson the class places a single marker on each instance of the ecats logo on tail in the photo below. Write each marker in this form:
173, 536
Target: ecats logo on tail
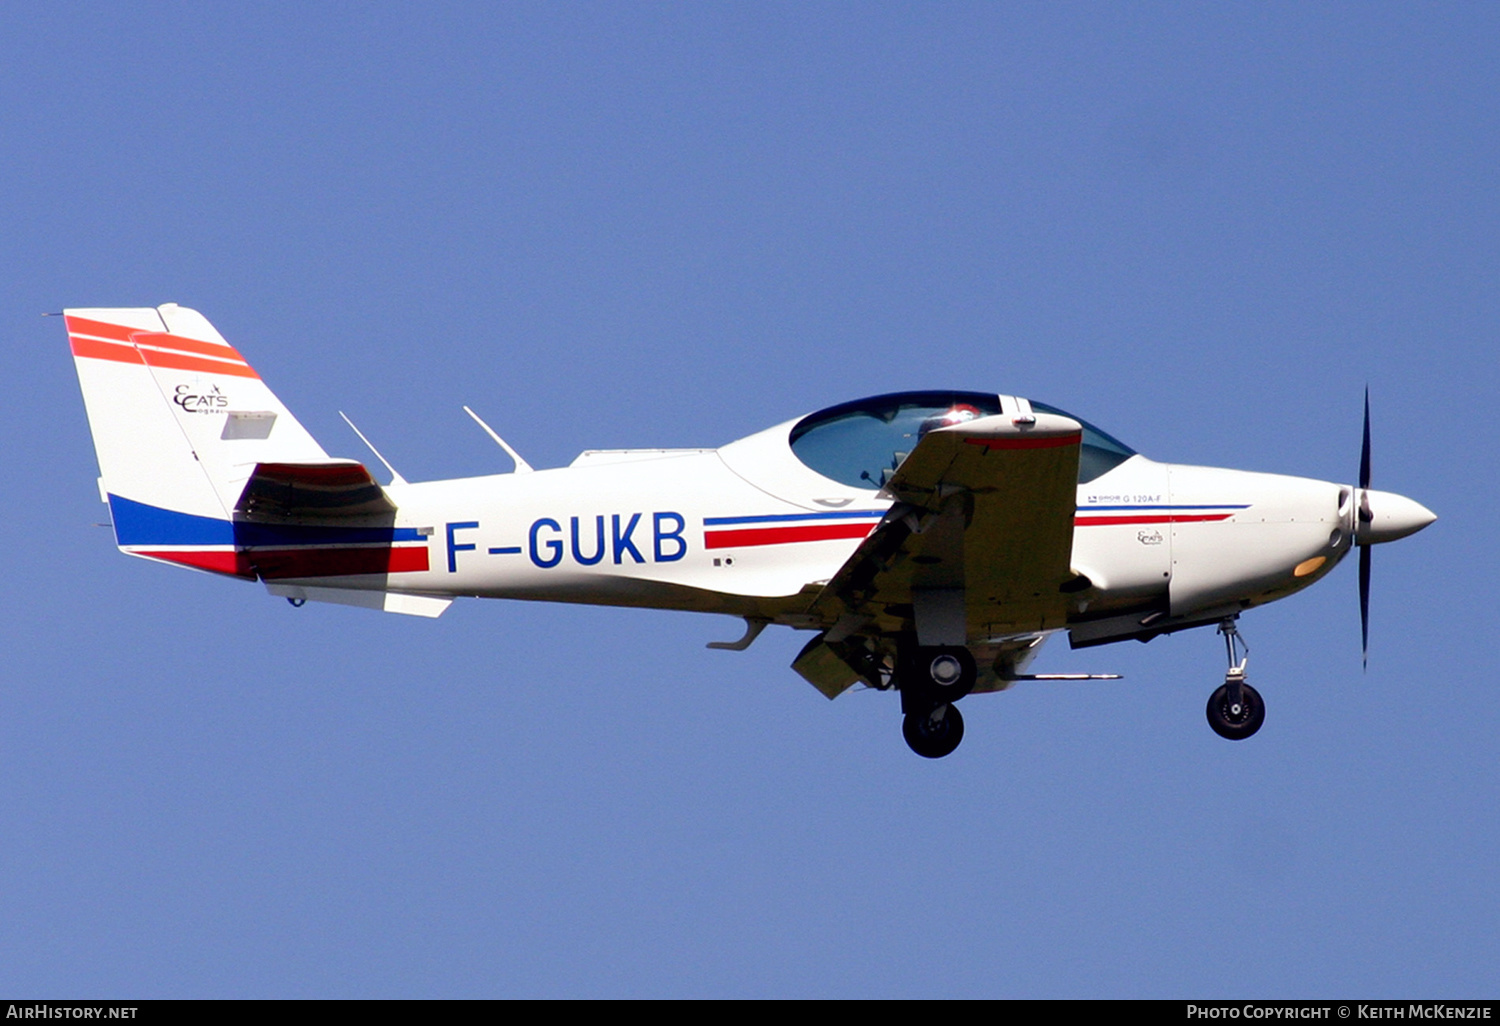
212, 401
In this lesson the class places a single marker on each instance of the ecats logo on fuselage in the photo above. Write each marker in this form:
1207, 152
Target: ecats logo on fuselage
212, 401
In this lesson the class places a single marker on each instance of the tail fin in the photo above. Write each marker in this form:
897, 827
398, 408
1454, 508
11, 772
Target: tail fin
180, 421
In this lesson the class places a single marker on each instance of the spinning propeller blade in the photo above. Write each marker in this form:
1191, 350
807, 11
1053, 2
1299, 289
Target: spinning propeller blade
1364, 550
1364, 605
1379, 517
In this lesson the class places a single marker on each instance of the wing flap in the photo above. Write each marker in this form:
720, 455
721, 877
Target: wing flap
822, 666
985, 508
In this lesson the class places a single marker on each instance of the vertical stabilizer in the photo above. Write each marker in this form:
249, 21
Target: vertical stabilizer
180, 420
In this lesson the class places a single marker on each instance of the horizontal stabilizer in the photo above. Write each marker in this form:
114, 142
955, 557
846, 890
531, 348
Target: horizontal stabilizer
331, 490
389, 601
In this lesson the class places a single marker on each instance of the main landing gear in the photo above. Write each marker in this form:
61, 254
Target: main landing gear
1235, 710
931, 679
935, 733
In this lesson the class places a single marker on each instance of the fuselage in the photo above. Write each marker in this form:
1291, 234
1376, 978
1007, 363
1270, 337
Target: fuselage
749, 529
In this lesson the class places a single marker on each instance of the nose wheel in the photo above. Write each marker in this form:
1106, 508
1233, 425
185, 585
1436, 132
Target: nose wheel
1235, 710
1236, 718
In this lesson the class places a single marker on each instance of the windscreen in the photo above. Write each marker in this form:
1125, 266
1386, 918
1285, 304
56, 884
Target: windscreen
861, 444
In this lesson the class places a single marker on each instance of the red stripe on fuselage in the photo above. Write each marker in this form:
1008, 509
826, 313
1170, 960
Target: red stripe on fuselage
1174, 518
746, 537
235, 564
280, 564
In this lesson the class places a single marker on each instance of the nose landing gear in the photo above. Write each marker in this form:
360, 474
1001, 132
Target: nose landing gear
1235, 710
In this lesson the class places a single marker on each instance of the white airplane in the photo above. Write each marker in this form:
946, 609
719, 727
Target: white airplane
932, 540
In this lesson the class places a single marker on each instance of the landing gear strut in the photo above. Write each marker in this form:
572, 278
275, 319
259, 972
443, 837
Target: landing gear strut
931, 679
1235, 710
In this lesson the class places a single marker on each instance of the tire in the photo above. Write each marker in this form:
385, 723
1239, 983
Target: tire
933, 736
942, 673
1236, 725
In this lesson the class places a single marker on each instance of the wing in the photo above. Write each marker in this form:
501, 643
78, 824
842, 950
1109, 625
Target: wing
976, 550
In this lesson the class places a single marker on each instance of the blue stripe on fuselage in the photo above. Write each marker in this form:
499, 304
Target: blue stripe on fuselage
779, 518
137, 523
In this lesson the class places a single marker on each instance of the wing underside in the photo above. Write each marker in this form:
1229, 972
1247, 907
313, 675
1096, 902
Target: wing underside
975, 551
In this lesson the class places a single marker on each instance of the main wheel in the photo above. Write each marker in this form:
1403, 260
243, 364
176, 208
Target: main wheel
933, 734
1236, 722
943, 673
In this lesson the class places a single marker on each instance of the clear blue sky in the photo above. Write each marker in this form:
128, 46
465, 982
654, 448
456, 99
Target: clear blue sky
1203, 227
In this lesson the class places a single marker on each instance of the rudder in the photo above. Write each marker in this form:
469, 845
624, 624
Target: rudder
180, 420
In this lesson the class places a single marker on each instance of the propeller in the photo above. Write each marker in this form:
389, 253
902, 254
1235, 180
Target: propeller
1380, 517
1365, 516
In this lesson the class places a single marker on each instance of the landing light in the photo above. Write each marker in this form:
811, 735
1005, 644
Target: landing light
1308, 566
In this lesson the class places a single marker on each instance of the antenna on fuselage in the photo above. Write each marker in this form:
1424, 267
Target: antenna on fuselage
522, 467
395, 477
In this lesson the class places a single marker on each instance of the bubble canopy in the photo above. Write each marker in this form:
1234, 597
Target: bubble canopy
861, 443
